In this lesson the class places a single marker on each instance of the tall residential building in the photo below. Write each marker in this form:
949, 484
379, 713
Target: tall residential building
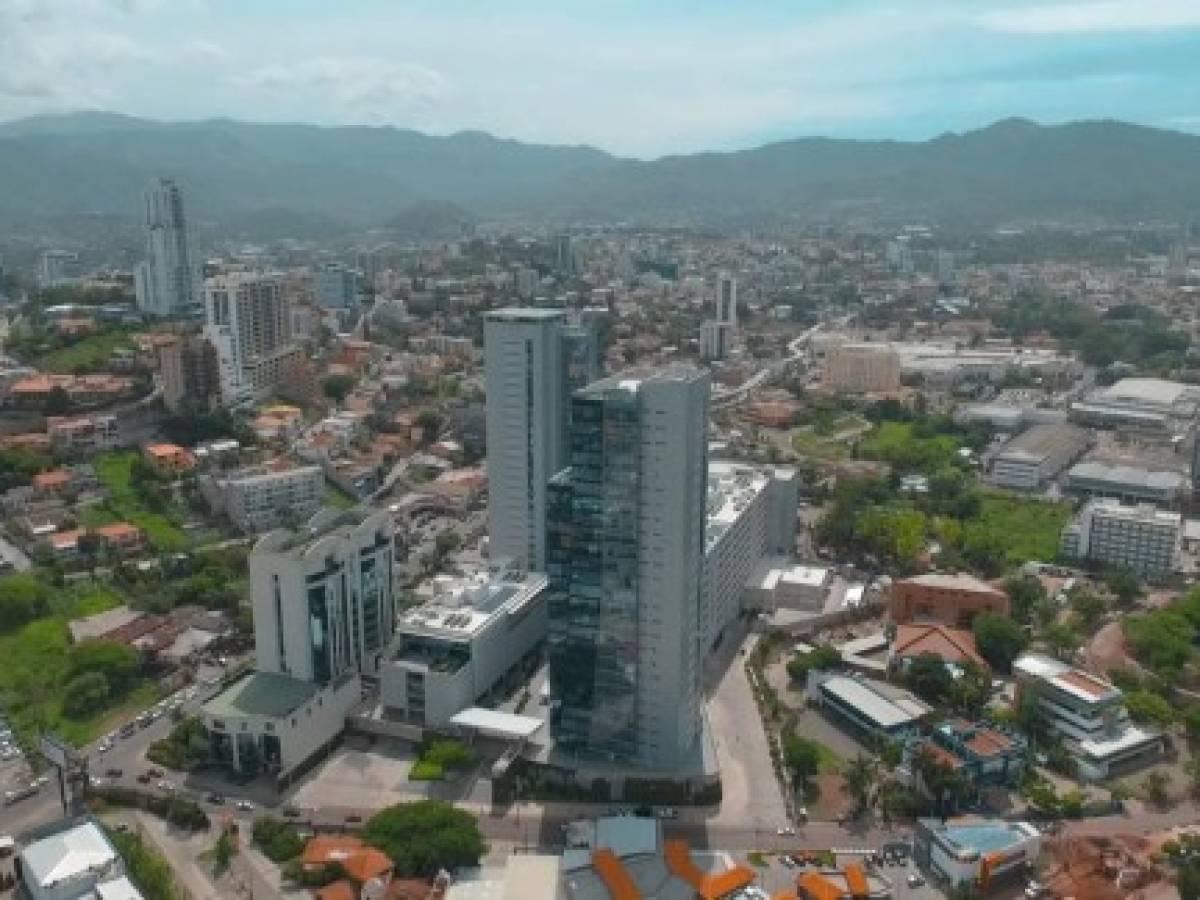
526, 400
727, 299
165, 282
716, 340
249, 324
189, 372
335, 286
56, 268
1141, 538
324, 596
625, 551
565, 261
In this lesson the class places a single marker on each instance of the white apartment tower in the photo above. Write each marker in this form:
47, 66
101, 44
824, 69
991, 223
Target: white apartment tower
526, 415
625, 552
248, 321
324, 596
165, 282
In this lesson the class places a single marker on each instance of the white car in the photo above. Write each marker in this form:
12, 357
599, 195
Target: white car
168, 786
244, 805
787, 831
915, 880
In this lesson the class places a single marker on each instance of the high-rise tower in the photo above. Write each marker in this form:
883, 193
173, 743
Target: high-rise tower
625, 549
165, 282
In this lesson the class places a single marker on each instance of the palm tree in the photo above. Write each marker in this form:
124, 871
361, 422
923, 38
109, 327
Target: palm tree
859, 780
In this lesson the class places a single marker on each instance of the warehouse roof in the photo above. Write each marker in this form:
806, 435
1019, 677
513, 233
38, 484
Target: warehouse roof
1042, 441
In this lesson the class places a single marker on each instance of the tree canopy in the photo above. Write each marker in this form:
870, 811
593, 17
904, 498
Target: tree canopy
425, 836
999, 639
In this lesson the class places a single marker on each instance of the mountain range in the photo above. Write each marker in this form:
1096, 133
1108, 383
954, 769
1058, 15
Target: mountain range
261, 176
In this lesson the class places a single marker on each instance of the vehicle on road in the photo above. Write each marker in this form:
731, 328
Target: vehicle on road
245, 805
145, 778
18, 794
786, 831
353, 818
156, 773
291, 812
915, 880
167, 786
114, 772
215, 799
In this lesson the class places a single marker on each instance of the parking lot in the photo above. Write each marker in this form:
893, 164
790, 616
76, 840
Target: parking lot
359, 775
776, 876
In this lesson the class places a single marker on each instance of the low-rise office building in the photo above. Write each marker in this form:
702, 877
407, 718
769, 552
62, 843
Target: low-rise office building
1088, 713
778, 583
977, 852
872, 708
750, 515
1126, 484
1143, 539
1034, 457
862, 368
982, 754
458, 647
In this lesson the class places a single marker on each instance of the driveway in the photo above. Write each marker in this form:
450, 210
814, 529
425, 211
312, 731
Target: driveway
751, 798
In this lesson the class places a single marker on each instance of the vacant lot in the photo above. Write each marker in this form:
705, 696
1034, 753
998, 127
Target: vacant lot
1026, 527
86, 355
33, 669
125, 503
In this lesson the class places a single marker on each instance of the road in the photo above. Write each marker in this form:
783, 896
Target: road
14, 556
797, 348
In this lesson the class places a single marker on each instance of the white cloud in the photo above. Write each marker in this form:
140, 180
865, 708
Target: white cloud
1104, 16
377, 89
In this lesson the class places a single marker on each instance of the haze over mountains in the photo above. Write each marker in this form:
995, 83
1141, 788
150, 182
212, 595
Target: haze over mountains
244, 174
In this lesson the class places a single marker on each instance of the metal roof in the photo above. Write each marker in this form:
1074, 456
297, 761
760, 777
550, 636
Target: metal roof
900, 708
497, 724
265, 694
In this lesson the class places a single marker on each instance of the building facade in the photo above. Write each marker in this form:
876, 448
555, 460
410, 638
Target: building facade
1034, 457
248, 323
862, 368
751, 516
625, 562
716, 340
189, 373
727, 299
1142, 538
526, 399
263, 497
457, 648
953, 600
335, 286
1088, 713
165, 283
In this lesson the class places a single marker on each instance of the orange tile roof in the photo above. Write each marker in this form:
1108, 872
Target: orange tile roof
989, 743
856, 881
1085, 683
951, 645
941, 755
119, 531
55, 478
339, 890
65, 540
366, 864
157, 450
327, 848
818, 887
615, 876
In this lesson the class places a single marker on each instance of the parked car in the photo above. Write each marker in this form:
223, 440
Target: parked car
114, 772
215, 799
244, 805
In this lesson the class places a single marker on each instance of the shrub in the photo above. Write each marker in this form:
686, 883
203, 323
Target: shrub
278, 840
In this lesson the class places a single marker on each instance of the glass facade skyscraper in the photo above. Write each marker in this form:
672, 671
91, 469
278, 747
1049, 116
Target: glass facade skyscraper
625, 525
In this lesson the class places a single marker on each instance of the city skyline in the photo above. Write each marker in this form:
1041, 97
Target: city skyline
621, 78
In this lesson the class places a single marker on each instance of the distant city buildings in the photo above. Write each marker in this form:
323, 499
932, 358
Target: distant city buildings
626, 521
862, 368
1036, 456
335, 286
57, 268
1141, 538
717, 334
165, 283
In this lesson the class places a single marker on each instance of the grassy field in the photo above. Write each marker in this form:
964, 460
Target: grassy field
33, 669
115, 472
86, 355
1029, 528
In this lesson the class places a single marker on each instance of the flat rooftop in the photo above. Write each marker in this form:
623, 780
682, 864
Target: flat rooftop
1117, 476
981, 836
266, 694
464, 607
1042, 441
884, 705
1075, 682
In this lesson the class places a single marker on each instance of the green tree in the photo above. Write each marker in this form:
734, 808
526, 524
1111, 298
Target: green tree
336, 387
819, 659
929, 678
1088, 606
118, 663
1156, 788
802, 757
85, 694
1124, 585
999, 639
430, 423
859, 780
970, 691
1025, 593
1062, 639
1149, 708
23, 598
426, 836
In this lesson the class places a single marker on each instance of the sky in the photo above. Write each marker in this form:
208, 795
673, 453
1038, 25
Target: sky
639, 78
